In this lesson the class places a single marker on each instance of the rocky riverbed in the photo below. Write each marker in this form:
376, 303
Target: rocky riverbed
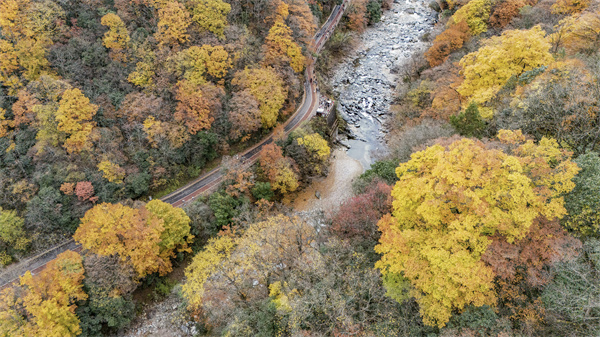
364, 82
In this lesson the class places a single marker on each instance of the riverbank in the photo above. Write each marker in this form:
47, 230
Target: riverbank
327, 193
365, 81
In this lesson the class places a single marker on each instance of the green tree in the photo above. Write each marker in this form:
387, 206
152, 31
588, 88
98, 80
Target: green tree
374, 11
225, 207
12, 235
262, 190
469, 123
583, 203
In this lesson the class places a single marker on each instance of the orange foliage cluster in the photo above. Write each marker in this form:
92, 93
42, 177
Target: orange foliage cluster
448, 41
505, 11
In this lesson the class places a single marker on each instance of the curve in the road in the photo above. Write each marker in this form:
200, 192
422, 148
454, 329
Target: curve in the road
211, 179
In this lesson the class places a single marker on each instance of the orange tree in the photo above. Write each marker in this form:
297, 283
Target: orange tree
145, 238
450, 201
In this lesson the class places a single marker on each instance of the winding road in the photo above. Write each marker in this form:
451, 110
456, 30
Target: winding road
212, 179
310, 101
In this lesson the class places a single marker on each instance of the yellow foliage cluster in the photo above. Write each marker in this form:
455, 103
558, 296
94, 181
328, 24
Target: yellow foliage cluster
267, 87
476, 14
46, 305
25, 36
111, 171
146, 237
174, 133
173, 23
316, 144
74, 116
280, 45
26, 33
448, 201
203, 266
317, 147
117, 37
569, 6
286, 179
211, 15
198, 61
578, 33
238, 268
501, 57
142, 75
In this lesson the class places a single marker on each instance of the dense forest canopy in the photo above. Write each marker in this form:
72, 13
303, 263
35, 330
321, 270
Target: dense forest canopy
103, 101
482, 220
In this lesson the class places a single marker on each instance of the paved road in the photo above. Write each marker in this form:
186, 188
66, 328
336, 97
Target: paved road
210, 180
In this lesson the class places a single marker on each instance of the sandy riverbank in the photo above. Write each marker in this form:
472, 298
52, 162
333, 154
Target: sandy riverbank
334, 189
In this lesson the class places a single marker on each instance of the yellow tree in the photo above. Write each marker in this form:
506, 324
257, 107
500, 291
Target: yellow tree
267, 87
476, 14
111, 171
317, 149
501, 57
211, 15
176, 234
27, 28
50, 297
109, 229
146, 238
203, 266
279, 170
9, 64
569, 6
196, 62
302, 21
316, 145
446, 205
74, 116
241, 269
279, 44
172, 25
117, 37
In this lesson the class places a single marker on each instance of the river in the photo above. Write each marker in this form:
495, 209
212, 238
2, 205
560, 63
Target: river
364, 82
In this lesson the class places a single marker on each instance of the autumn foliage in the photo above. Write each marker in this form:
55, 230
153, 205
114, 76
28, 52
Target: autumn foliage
505, 11
278, 170
447, 204
476, 14
145, 238
266, 86
234, 271
357, 218
46, 302
448, 41
279, 44
511, 54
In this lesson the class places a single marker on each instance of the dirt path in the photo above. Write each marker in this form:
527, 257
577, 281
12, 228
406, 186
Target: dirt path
333, 189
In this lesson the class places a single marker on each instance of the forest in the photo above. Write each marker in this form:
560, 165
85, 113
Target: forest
483, 219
